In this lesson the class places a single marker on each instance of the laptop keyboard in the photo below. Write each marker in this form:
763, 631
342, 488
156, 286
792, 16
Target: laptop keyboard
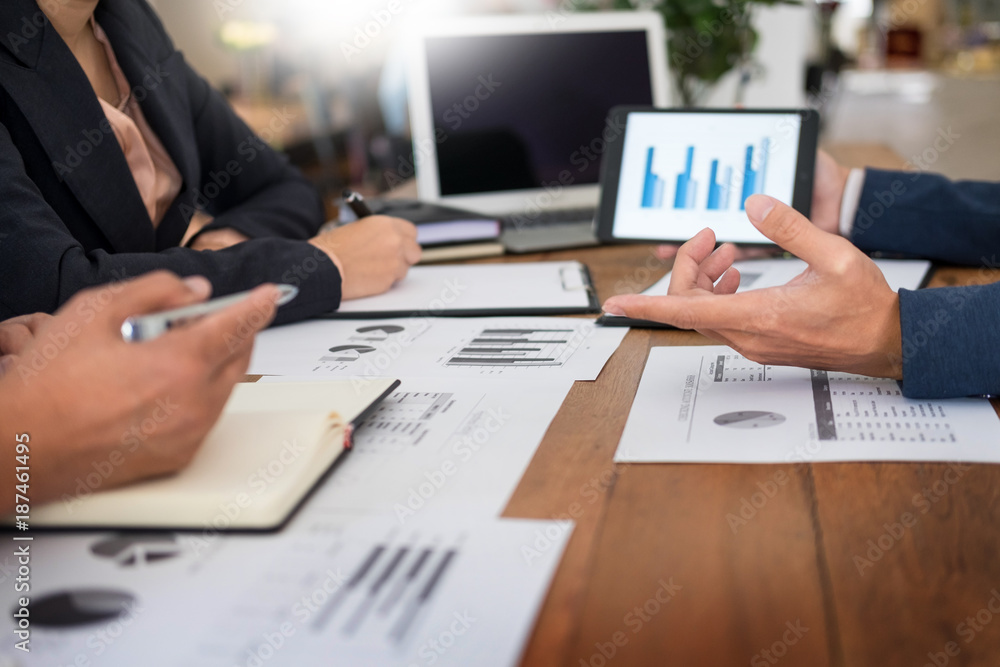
548, 218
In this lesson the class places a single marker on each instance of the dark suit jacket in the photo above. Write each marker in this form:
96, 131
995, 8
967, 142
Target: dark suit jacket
951, 336
70, 214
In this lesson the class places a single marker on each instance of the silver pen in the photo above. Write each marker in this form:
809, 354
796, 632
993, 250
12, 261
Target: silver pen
148, 327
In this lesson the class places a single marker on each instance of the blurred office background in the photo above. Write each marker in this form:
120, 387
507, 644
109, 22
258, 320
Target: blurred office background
325, 81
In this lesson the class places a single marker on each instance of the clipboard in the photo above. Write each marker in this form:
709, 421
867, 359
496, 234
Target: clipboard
482, 290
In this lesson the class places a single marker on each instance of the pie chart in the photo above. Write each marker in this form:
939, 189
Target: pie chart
749, 419
67, 609
136, 550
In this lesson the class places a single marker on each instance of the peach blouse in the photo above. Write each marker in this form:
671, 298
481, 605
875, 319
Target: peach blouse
154, 172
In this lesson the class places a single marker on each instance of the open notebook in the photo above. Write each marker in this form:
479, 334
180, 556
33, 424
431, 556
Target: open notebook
269, 448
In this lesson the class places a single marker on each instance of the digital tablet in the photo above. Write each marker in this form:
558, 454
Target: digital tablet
669, 173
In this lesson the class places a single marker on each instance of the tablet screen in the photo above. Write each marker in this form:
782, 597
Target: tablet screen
682, 172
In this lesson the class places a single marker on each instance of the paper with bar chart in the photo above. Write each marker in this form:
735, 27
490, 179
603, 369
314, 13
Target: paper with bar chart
461, 588
682, 172
712, 405
438, 442
537, 347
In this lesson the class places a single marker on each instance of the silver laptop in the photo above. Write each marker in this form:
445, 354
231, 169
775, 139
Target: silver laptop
509, 114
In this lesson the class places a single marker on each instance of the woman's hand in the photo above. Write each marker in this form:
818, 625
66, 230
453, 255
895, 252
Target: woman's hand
89, 400
372, 253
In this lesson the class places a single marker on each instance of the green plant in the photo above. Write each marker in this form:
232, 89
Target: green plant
705, 39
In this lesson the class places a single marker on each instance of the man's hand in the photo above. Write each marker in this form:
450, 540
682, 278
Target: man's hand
373, 253
87, 397
16, 334
828, 191
839, 314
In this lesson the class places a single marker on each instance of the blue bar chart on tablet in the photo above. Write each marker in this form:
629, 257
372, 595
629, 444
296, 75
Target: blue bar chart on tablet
652, 190
683, 172
753, 179
718, 192
687, 187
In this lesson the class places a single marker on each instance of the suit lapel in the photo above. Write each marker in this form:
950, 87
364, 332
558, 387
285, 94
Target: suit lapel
58, 101
160, 90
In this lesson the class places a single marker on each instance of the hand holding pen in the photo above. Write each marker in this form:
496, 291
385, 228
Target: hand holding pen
373, 253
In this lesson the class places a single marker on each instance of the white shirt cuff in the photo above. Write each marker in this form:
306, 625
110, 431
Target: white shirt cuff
849, 203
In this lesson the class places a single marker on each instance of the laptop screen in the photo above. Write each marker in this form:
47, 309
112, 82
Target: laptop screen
520, 111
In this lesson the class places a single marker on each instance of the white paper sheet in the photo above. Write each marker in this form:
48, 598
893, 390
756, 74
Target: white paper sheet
761, 273
433, 290
444, 591
520, 347
710, 404
439, 443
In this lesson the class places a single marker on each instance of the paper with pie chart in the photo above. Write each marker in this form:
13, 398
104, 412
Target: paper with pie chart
536, 347
370, 592
712, 405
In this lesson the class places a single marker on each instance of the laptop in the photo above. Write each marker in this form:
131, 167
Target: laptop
509, 114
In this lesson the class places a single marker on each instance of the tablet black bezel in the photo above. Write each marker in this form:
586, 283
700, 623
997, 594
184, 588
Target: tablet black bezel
611, 164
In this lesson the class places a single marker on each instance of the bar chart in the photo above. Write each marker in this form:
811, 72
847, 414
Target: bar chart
721, 179
681, 172
517, 347
687, 188
652, 191
389, 587
718, 193
753, 179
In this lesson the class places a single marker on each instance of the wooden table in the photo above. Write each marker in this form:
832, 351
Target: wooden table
788, 581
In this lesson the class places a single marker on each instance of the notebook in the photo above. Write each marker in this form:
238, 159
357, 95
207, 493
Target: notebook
446, 234
271, 446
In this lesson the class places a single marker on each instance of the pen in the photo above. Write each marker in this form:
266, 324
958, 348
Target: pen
148, 327
357, 204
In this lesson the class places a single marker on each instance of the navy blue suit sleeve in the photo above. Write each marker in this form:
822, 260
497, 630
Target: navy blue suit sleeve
42, 265
926, 215
949, 334
950, 341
